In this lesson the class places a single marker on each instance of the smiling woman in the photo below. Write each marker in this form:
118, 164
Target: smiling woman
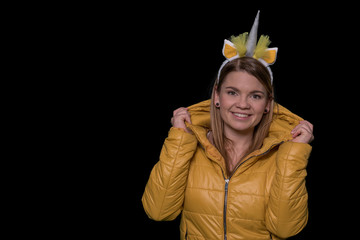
234, 166
242, 106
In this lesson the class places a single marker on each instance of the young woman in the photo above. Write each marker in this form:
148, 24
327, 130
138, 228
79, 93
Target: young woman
234, 166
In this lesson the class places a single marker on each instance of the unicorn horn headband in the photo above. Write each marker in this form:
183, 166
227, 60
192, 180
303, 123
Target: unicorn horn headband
245, 45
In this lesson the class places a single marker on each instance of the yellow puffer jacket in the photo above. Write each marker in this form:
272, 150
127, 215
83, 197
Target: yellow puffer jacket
265, 198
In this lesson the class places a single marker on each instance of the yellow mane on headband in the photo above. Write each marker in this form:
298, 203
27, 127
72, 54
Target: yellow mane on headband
240, 43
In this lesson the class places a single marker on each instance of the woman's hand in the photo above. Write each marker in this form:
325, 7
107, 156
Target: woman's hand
181, 115
303, 133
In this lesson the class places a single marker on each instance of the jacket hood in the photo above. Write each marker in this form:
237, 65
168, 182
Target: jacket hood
282, 124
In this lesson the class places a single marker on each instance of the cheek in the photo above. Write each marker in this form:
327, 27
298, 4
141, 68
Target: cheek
226, 101
259, 109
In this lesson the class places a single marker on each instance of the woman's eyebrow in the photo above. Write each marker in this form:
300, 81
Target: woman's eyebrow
233, 88
237, 90
257, 91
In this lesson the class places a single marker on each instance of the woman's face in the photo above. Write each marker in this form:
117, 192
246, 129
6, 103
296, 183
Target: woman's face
243, 100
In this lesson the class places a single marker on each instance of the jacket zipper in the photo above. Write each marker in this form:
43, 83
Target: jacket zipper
225, 205
227, 180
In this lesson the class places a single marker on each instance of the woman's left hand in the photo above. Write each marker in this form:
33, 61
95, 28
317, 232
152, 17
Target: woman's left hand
303, 133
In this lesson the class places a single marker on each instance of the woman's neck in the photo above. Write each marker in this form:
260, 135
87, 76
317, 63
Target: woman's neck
239, 146
239, 139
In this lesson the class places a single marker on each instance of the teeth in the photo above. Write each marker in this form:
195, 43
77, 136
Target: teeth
241, 115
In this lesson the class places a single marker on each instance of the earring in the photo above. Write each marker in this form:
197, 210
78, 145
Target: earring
217, 105
266, 111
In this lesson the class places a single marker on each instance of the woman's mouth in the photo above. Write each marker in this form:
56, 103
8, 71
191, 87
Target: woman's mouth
241, 115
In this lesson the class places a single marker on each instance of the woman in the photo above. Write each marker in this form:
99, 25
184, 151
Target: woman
234, 166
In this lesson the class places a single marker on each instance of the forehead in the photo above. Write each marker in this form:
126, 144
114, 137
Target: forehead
243, 81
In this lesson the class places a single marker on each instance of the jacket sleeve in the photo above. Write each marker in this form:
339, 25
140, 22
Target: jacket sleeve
164, 192
287, 211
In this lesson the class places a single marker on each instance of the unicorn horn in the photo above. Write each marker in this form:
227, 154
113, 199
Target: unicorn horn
252, 39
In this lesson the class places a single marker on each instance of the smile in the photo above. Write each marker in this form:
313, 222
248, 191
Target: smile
241, 115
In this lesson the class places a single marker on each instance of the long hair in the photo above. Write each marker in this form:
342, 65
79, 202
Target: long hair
259, 71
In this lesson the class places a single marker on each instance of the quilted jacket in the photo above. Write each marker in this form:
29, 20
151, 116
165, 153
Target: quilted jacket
265, 197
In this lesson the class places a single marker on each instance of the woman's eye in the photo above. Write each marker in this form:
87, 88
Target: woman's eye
231, 93
256, 96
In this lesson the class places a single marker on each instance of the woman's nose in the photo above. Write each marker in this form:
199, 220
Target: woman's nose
243, 103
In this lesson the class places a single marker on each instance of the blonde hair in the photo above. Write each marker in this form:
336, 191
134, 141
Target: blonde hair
259, 71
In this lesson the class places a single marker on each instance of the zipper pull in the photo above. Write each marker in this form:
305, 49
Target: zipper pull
226, 184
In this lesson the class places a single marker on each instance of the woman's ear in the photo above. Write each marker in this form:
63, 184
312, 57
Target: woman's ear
216, 97
267, 107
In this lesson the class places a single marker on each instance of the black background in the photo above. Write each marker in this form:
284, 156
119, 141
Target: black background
161, 57
100, 81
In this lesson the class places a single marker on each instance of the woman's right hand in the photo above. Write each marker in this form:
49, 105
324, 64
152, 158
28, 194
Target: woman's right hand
181, 115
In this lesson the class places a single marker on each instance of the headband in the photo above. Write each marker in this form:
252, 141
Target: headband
245, 45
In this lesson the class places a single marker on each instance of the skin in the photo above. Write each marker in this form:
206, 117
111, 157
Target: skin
242, 93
